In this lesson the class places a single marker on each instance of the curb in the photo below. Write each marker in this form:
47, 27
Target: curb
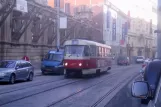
37, 72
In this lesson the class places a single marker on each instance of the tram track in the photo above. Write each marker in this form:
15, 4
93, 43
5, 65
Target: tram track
31, 86
113, 77
56, 87
112, 90
38, 92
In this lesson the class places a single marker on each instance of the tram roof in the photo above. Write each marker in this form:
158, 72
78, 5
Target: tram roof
87, 42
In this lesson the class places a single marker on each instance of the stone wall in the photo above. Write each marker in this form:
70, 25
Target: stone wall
17, 52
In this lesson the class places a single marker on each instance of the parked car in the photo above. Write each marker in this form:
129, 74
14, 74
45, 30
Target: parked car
123, 60
13, 70
146, 89
53, 63
139, 59
145, 63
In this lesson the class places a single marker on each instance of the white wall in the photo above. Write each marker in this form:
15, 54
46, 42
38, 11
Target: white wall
108, 31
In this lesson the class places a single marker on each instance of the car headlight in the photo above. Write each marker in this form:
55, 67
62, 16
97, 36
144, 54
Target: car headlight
2, 74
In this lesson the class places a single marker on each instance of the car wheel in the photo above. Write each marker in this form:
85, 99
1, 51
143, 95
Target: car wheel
30, 78
144, 101
12, 79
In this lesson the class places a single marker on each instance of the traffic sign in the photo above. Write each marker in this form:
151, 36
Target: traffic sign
21, 5
63, 22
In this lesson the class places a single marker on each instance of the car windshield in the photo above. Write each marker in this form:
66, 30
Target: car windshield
7, 64
74, 50
139, 57
121, 58
54, 57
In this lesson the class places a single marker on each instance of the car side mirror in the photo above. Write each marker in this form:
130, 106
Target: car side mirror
140, 89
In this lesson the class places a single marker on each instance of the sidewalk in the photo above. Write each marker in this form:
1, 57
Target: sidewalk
37, 72
37, 66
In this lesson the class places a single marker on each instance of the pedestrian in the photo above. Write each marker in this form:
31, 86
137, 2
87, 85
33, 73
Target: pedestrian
26, 58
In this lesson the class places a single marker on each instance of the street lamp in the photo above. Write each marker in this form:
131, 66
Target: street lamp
159, 30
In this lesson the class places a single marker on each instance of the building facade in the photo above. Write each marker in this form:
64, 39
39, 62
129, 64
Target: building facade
141, 38
91, 10
115, 29
131, 36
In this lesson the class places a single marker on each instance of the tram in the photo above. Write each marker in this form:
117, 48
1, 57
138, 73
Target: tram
86, 57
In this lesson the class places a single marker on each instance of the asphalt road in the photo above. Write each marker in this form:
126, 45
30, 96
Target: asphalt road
123, 97
110, 89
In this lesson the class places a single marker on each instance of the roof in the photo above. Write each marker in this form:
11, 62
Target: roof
56, 52
88, 42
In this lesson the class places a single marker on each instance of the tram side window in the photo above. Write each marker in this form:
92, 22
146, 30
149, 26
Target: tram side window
86, 51
103, 52
93, 50
98, 51
109, 53
106, 52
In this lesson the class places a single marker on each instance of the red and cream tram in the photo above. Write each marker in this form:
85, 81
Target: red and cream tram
86, 57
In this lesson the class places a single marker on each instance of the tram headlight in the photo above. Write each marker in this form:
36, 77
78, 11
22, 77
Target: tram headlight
80, 64
66, 64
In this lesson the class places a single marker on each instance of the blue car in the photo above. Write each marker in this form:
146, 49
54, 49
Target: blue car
53, 63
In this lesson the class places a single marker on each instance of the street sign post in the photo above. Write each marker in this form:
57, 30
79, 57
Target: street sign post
63, 22
58, 23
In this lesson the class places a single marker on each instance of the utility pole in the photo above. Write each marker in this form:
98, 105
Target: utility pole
58, 24
159, 29
104, 18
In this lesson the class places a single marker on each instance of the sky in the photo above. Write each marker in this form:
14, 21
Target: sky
137, 8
